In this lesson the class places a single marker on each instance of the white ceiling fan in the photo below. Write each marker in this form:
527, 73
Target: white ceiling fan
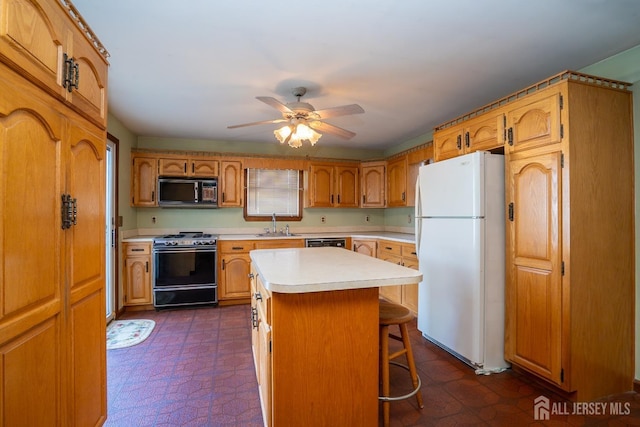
302, 113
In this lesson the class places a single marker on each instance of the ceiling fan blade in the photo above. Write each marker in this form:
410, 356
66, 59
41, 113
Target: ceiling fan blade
263, 122
274, 103
343, 110
334, 130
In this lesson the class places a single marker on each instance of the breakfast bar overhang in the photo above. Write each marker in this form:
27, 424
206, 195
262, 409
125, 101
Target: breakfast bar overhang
315, 318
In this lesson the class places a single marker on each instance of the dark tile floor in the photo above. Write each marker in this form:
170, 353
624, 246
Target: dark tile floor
196, 369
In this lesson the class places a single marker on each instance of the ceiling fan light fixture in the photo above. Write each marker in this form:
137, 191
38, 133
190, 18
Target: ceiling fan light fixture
295, 134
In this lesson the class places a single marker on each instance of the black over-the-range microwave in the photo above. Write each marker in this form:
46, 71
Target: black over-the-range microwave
187, 192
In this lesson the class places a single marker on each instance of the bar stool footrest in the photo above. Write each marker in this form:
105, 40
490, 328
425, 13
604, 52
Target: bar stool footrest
406, 396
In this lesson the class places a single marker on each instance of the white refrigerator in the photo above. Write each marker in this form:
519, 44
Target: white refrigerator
460, 239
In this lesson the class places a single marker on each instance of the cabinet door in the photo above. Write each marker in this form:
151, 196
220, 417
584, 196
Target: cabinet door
172, 167
264, 373
347, 187
447, 143
230, 184
203, 168
143, 182
234, 277
90, 96
33, 37
365, 247
485, 132
373, 183
32, 318
86, 274
391, 293
138, 280
321, 181
410, 292
534, 122
397, 182
534, 286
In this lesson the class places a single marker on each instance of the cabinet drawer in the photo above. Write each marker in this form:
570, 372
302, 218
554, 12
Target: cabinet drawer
235, 246
409, 251
137, 249
387, 247
262, 298
279, 243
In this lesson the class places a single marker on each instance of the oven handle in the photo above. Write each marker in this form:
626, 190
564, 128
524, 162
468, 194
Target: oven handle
183, 250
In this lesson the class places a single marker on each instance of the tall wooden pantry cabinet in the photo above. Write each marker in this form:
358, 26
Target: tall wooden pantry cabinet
53, 112
570, 235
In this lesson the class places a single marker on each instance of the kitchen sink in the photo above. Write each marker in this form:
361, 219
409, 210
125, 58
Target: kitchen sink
277, 234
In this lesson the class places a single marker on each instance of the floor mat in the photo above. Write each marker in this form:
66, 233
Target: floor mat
126, 333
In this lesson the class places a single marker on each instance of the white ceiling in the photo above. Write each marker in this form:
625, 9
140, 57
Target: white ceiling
189, 69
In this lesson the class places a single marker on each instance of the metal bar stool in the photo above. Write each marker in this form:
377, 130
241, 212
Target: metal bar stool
396, 314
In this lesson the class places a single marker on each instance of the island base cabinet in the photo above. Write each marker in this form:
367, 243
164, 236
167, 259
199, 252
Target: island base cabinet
317, 360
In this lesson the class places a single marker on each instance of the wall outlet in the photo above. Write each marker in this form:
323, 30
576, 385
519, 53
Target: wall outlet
323, 219
409, 218
366, 218
153, 219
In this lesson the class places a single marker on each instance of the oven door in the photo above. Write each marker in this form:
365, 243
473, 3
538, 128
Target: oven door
184, 277
184, 267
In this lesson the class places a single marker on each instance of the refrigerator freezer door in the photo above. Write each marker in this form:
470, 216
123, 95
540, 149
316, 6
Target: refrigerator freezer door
451, 306
451, 188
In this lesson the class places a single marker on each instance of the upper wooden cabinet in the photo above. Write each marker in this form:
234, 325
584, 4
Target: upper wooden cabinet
484, 132
570, 242
535, 122
372, 184
177, 167
43, 42
333, 185
144, 181
231, 178
397, 182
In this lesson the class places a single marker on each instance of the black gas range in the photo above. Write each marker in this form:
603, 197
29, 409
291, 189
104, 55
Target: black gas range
185, 270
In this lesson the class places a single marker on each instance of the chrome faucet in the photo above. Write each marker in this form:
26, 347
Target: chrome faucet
273, 222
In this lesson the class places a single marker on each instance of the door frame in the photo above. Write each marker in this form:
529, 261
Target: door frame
116, 264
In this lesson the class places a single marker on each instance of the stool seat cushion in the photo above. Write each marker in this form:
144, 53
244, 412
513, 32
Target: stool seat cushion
394, 314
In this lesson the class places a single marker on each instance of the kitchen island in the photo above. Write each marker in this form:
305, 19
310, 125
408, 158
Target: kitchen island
315, 334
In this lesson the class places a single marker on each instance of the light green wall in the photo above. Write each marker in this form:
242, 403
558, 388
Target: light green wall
232, 218
126, 140
626, 67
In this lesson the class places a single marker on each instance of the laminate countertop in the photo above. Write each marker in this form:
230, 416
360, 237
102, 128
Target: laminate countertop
320, 269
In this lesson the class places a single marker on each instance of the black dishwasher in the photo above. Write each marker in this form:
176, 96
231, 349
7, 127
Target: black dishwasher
317, 243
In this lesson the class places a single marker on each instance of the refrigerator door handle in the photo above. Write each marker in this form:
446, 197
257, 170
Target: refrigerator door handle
417, 215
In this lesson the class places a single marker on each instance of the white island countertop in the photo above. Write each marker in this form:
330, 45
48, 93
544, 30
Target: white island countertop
326, 269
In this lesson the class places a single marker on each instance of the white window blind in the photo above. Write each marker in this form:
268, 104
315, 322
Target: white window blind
272, 191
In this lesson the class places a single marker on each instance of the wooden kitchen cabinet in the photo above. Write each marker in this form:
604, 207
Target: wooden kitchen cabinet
137, 274
234, 267
401, 254
366, 246
191, 168
397, 182
144, 178
261, 343
53, 318
483, 132
42, 40
334, 185
373, 183
230, 184
570, 245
